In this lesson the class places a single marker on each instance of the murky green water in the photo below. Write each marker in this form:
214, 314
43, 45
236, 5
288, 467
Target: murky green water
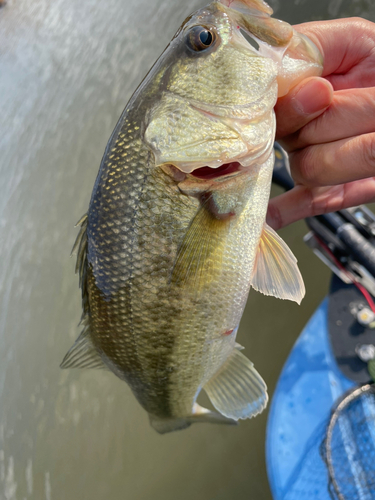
67, 69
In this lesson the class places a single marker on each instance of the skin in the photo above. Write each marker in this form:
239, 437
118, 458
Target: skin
327, 125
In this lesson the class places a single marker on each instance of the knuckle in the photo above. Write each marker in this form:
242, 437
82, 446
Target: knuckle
303, 166
307, 135
358, 25
312, 133
369, 153
274, 218
359, 21
368, 103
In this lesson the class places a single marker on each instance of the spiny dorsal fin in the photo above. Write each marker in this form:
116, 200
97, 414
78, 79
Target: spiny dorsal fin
80, 246
237, 390
275, 271
83, 354
200, 254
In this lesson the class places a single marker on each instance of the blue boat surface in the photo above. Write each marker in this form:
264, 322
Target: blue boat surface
320, 441
308, 388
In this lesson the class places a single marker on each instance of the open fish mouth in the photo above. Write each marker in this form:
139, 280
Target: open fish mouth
208, 173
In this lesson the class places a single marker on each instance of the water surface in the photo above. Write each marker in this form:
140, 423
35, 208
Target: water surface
67, 69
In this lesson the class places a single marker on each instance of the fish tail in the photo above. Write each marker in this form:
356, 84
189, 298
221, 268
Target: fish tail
199, 415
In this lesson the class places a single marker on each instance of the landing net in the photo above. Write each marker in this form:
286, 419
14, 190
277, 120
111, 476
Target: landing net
349, 446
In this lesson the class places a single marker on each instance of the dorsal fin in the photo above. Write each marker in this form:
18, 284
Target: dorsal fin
82, 354
80, 246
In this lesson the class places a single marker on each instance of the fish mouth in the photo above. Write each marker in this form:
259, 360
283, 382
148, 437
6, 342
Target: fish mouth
209, 173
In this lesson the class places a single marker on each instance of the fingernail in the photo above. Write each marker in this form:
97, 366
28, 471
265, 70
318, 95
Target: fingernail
315, 95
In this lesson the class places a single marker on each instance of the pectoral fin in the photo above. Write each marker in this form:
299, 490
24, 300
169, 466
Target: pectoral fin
275, 271
200, 254
237, 390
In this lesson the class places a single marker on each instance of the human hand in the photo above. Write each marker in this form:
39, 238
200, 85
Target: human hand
327, 125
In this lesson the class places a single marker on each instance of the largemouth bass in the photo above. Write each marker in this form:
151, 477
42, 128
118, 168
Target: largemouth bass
175, 233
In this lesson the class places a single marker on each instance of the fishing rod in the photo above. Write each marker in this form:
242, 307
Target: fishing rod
343, 240
339, 435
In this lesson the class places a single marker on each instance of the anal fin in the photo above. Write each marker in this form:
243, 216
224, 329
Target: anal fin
275, 271
237, 390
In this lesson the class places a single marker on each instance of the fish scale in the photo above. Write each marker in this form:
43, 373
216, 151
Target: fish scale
166, 258
120, 313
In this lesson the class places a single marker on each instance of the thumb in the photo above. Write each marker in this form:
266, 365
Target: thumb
307, 100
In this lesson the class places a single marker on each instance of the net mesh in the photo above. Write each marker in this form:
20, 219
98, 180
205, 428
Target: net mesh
339, 459
349, 446
310, 478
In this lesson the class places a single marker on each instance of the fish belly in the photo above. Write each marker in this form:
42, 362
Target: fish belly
209, 322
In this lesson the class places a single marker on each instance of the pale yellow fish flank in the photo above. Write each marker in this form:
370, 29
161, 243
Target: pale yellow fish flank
175, 234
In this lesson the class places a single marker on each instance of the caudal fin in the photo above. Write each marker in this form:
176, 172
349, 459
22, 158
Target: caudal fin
237, 390
202, 415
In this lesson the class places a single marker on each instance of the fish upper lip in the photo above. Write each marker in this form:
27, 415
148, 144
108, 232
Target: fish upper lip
228, 169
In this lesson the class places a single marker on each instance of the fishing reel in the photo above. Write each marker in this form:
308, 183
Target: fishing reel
345, 242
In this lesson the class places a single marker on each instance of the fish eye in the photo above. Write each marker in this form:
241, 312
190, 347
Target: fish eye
200, 38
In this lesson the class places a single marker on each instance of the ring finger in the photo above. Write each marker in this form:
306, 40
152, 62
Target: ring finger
335, 162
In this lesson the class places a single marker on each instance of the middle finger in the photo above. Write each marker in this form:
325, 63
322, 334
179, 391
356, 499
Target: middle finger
350, 114
335, 162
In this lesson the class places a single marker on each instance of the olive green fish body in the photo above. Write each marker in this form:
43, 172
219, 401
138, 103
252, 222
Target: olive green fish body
175, 234
166, 339
134, 224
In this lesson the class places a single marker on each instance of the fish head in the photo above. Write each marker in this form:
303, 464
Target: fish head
297, 57
218, 82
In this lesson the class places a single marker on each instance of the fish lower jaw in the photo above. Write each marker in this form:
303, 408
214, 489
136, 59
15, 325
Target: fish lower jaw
203, 175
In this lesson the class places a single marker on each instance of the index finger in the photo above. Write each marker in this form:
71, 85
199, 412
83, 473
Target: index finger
348, 49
